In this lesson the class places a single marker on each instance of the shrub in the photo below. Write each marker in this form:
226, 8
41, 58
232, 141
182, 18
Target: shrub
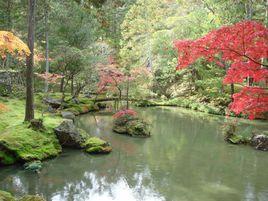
125, 112
3, 108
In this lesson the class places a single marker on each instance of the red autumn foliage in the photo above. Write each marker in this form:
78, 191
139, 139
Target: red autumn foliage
244, 45
50, 77
110, 75
110, 78
251, 101
124, 112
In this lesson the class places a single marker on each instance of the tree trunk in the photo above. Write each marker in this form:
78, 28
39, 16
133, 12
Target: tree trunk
61, 84
80, 87
29, 109
127, 92
47, 49
232, 91
72, 85
9, 11
248, 10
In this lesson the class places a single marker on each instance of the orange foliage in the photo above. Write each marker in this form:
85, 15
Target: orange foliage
9, 43
3, 108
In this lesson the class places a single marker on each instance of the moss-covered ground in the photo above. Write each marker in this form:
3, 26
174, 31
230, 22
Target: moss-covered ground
18, 142
6, 196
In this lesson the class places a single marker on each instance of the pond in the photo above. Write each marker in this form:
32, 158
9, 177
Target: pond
186, 159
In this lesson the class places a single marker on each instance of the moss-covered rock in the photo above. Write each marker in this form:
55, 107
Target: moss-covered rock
84, 106
67, 115
69, 136
238, 139
131, 125
138, 128
20, 143
5, 196
231, 135
96, 145
31, 198
33, 166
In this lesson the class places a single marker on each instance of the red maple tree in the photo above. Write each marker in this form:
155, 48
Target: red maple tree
110, 78
49, 77
125, 112
244, 46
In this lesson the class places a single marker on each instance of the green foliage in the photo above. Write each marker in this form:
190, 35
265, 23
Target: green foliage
6, 196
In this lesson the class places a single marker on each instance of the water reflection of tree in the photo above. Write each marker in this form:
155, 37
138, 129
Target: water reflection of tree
185, 159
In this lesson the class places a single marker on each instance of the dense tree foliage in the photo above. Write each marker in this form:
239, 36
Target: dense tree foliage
74, 37
243, 45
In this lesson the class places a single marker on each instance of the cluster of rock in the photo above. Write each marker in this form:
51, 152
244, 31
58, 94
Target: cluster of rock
72, 107
260, 142
257, 140
131, 125
70, 136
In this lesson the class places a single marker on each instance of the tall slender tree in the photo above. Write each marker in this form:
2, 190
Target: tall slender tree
29, 109
47, 43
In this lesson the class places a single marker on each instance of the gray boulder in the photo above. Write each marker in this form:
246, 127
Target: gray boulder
67, 115
260, 142
69, 136
54, 103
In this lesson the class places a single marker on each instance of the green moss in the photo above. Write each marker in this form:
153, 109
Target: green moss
94, 149
94, 142
3, 125
32, 198
7, 158
183, 102
238, 139
17, 141
5, 196
85, 106
96, 145
27, 145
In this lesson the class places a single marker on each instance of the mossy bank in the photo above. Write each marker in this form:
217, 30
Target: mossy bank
19, 142
6, 196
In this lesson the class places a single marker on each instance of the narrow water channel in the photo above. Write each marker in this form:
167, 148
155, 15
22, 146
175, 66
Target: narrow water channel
184, 160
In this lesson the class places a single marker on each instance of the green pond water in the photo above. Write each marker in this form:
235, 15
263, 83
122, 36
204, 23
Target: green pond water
186, 159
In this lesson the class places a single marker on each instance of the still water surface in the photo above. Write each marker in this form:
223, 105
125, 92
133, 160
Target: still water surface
185, 160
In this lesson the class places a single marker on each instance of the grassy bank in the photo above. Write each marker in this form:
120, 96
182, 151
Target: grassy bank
18, 142
185, 103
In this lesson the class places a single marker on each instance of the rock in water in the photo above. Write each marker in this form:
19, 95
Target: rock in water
260, 142
138, 128
67, 115
96, 145
69, 136
131, 126
33, 166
